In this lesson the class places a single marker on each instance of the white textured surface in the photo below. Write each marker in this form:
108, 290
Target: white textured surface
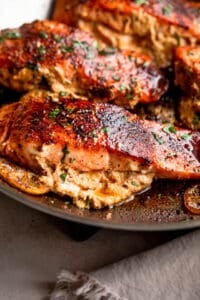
16, 12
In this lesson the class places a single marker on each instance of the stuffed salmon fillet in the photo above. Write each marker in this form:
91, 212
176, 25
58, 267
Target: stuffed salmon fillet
149, 26
63, 59
99, 154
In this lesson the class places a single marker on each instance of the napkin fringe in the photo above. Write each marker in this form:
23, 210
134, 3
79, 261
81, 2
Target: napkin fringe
79, 285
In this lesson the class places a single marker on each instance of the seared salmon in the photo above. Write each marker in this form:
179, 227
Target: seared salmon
149, 26
187, 77
66, 60
97, 153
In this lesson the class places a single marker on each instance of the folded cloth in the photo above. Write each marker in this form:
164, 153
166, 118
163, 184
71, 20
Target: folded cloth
170, 271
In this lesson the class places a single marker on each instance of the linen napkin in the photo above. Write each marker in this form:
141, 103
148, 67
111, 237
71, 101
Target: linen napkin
170, 271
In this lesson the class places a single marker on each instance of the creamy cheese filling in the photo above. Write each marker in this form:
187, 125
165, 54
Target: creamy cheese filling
139, 31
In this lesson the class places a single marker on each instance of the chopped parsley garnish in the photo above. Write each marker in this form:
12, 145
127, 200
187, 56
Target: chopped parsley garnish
53, 113
107, 51
63, 176
62, 93
169, 129
71, 160
41, 50
140, 2
10, 35
65, 49
166, 10
171, 199
104, 129
32, 66
122, 87
35, 120
13, 35
71, 110
80, 44
95, 44
57, 38
186, 137
178, 39
171, 154
130, 57
146, 64
43, 35
65, 152
134, 183
116, 77
90, 55
195, 120
157, 138
129, 96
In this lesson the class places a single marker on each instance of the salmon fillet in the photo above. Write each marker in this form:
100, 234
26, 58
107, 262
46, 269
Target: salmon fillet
97, 153
66, 60
187, 77
150, 26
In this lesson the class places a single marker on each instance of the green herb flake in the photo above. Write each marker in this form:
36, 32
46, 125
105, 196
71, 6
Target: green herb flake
1, 39
107, 51
71, 110
71, 160
177, 38
32, 66
79, 44
129, 96
122, 87
65, 152
65, 49
63, 176
54, 113
90, 55
94, 134
104, 129
130, 57
65, 124
41, 50
166, 10
13, 35
35, 120
169, 129
124, 119
186, 137
171, 154
87, 201
43, 35
134, 183
171, 199
146, 64
195, 120
57, 38
159, 196
140, 2
95, 44
62, 93
116, 77
157, 138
